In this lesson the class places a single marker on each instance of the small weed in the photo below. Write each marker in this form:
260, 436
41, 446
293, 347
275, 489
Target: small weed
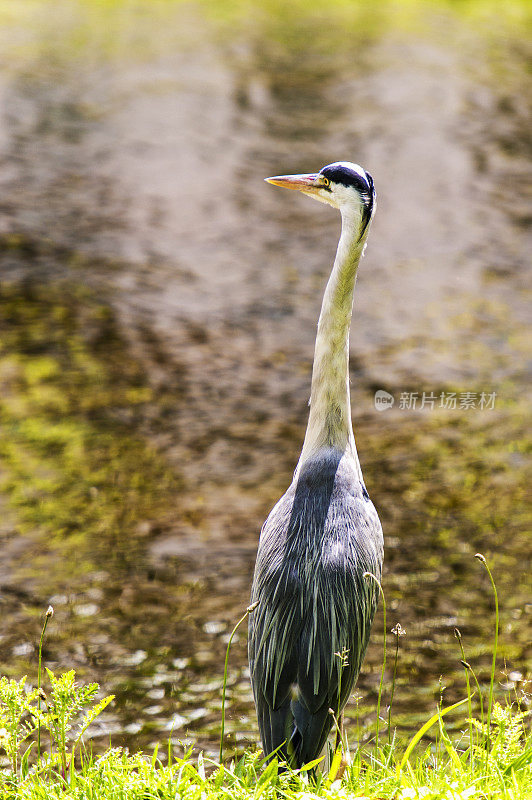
17, 720
25, 712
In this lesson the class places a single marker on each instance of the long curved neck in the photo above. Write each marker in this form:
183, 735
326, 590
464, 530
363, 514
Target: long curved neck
329, 424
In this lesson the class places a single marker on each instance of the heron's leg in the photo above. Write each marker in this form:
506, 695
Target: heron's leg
340, 741
339, 738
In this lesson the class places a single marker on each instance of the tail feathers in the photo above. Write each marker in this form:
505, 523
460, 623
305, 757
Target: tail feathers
310, 732
292, 733
275, 729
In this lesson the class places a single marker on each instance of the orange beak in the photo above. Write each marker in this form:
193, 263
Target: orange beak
303, 183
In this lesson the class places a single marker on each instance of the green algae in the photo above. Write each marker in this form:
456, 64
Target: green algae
74, 467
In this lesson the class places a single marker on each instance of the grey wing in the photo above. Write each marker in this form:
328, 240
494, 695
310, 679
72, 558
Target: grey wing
274, 631
330, 662
336, 631
295, 634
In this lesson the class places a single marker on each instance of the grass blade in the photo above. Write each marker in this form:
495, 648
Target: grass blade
249, 609
518, 763
422, 731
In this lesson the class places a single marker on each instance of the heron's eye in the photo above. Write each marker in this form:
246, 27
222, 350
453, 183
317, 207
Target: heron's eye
326, 181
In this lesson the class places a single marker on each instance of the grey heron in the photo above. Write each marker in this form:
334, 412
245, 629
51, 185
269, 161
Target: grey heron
309, 631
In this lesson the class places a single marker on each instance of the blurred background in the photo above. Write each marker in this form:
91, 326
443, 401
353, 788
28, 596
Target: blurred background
158, 308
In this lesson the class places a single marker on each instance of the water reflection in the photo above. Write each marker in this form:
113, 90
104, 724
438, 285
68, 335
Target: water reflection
159, 305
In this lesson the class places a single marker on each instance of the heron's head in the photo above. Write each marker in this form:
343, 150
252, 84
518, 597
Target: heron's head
343, 185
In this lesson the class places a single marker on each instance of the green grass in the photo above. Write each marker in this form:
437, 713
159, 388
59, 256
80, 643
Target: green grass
116, 774
447, 771
41, 733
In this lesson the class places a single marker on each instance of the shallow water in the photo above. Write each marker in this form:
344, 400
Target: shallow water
159, 304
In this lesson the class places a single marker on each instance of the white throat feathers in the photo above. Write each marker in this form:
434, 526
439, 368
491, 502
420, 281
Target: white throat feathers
329, 424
